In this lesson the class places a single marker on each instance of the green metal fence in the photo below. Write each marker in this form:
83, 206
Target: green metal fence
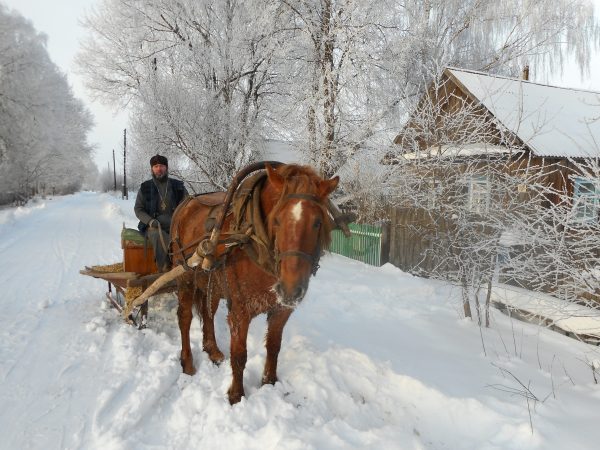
364, 245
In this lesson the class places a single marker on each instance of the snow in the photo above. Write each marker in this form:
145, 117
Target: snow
373, 358
570, 317
552, 121
456, 150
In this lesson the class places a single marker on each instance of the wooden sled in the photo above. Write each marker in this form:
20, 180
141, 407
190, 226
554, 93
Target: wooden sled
138, 271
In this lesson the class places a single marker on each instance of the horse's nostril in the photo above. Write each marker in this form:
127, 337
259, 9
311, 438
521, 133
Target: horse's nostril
299, 292
279, 290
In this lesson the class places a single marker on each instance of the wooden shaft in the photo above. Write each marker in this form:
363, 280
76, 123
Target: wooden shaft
175, 272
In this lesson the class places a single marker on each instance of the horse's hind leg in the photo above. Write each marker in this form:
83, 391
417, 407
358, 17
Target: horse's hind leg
184, 316
276, 320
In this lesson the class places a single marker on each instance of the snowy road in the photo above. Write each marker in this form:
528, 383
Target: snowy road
373, 358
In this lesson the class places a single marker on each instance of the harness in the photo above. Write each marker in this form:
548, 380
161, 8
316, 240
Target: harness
248, 230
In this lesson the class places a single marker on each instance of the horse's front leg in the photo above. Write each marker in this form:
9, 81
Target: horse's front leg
276, 320
238, 326
184, 316
208, 308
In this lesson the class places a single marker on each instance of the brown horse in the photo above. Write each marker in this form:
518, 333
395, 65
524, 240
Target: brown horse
293, 203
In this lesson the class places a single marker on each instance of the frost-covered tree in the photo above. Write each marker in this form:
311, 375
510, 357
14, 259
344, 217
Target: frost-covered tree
355, 68
42, 126
194, 72
335, 66
463, 238
558, 251
499, 37
335, 77
108, 180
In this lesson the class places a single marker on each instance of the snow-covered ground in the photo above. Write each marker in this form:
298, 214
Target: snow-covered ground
579, 320
373, 358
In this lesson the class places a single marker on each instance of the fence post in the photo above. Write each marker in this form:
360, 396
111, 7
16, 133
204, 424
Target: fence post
393, 238
385, 243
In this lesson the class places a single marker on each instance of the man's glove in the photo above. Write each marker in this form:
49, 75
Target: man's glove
153, 223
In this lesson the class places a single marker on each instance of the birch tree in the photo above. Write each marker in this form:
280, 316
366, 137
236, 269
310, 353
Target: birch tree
334, 77
356, 68
337, 61
194, 72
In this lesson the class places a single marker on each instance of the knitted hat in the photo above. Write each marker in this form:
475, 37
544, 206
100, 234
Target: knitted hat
159, 159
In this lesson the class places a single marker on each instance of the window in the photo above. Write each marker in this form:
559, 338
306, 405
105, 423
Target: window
586, 199
479, 194
434, 192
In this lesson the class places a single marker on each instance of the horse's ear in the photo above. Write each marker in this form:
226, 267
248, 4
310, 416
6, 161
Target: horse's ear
275, 179
326, 187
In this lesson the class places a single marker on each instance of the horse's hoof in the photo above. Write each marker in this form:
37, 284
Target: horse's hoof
234, 397
214, 354
269, 380
188, 368
217, 358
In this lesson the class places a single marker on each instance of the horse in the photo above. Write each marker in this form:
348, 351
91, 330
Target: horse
292, 200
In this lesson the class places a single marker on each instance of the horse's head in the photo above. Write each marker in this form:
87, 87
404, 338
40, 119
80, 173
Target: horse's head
299, 227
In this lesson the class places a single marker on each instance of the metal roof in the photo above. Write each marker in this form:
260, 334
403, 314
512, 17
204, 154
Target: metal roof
552, 121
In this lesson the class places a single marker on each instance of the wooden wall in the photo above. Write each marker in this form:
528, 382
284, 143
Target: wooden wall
410, 231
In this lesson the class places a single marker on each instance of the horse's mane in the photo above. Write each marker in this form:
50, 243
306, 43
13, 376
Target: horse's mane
302, 180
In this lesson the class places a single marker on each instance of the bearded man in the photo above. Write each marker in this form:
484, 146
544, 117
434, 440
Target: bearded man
154, 206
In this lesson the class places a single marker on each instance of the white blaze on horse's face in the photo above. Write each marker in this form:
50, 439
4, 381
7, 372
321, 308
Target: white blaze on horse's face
297, 211
295, 228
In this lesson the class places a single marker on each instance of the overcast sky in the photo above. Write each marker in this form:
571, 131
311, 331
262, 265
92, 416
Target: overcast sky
60, 21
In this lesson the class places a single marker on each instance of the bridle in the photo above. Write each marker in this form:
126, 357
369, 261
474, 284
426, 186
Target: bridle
312, 258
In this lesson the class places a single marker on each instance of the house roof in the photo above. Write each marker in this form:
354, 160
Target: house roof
276, 150
552, 121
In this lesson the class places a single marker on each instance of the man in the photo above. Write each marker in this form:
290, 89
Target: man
154, 206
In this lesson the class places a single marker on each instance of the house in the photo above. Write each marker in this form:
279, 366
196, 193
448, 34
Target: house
470, 121
467, 115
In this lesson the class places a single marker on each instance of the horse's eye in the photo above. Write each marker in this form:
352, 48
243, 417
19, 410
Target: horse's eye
317, 224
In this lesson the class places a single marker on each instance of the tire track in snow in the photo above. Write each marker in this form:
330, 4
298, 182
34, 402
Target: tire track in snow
42, 252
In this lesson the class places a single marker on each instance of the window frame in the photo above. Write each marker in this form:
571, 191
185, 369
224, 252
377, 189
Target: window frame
586, 205
479, 193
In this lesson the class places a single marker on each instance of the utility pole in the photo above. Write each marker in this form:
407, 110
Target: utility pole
125, 195
114, 171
